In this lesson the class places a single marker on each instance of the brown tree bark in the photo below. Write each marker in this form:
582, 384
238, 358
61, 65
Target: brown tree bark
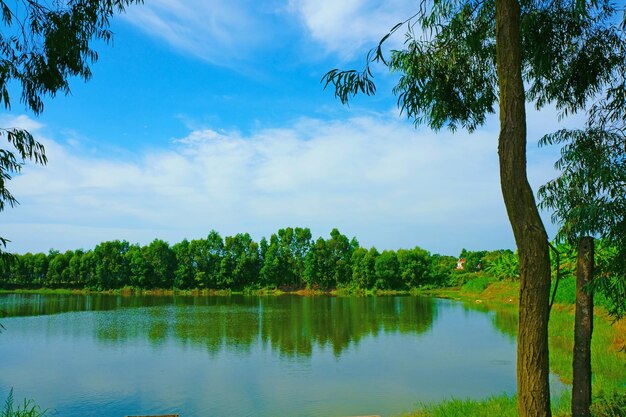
530, 236
583, 328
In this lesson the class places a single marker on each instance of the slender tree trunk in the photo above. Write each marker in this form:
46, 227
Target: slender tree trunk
530, 236
583, 327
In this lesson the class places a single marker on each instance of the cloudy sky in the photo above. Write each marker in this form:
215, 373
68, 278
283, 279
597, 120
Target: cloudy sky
207, 114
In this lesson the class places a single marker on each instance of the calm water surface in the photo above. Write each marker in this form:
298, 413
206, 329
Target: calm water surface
100, 355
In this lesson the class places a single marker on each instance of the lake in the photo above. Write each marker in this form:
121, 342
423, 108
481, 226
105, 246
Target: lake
106, 355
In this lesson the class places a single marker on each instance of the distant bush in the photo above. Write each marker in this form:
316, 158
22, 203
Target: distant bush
478, 284
502, 264
459, 278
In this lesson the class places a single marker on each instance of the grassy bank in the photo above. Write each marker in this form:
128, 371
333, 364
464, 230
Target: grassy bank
608, 353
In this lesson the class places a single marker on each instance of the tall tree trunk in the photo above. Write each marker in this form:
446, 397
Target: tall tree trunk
583, 327
530, 236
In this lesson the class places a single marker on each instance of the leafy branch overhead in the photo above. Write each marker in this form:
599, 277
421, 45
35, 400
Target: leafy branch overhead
448, 64
42, 46
588, 198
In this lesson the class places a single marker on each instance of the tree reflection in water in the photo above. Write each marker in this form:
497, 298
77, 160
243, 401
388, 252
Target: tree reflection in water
293, 325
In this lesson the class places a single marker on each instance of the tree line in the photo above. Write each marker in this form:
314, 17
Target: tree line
289, 259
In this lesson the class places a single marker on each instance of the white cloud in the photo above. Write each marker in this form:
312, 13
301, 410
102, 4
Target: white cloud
229, 33
374, 177
220, 32
348, 27
20, 122
362, 175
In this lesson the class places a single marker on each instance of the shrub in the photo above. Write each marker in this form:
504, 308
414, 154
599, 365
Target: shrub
478, 284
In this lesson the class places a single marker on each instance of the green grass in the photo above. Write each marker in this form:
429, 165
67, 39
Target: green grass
609, 405
498, 405
27, 409
478, 284
607, 362
566, 292
501, 405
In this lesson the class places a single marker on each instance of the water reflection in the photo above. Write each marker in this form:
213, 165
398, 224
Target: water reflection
292, 325
94, 355
504, 317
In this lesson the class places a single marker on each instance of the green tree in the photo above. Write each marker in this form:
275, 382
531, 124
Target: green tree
441, 267
363, 267
588, 200
40, 269
11, 267
18, 269
5, 270
88, 269
207, 257
414, 265
269, 274
43, 45
300, 246
387, 271
185, 271
110, 265
283, 257
464, 57
340, 250
137, 267
317, 266
276, 270
74, 270
328, 262
58, 269
241, 262
161, 261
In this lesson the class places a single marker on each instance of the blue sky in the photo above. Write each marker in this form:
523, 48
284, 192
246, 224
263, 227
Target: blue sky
210, 115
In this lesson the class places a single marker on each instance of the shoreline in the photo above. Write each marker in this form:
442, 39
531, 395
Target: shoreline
208, 292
